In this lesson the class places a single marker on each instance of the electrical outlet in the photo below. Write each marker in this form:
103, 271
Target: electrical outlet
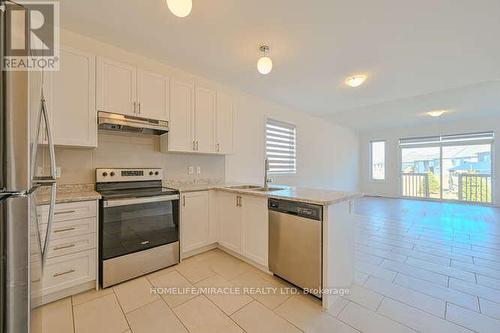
190, 170
198, 170
58, 172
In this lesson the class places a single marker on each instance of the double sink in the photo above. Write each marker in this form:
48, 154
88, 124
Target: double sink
255, 188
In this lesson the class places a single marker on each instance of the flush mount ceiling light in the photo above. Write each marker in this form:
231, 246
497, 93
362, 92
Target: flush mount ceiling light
436, 113
355, 80
265, 64
180, 8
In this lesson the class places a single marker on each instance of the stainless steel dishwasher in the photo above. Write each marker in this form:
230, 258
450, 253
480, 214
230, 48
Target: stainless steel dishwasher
295, 243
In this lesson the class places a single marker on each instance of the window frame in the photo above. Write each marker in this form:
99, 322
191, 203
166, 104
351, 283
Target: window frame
370, 164
447, 140
285, 123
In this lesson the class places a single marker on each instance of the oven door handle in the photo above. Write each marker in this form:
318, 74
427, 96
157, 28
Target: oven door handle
135, 201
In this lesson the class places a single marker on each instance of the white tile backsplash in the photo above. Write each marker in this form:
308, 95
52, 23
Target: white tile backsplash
131, 150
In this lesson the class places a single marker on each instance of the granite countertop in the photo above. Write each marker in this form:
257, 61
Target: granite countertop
315, 196
310, 195
69, 193
86, 192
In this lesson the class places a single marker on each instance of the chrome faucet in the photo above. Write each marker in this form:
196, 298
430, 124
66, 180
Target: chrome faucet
267, 180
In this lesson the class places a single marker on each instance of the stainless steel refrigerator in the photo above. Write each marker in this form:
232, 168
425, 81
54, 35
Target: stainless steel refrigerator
27, 168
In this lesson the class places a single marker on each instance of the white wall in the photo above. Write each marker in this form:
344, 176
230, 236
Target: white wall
327, 154
391, 186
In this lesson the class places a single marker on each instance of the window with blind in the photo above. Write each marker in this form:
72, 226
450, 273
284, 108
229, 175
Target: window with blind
448, 167
281, 147
482, 137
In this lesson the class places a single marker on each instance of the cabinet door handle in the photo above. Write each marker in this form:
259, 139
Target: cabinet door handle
218, 147
194, 145
139, 107
135, 107
65, 229
64, 212
62, 247
63, 273
241, 202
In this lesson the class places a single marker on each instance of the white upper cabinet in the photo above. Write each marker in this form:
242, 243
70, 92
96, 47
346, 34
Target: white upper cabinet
224, 124
201, 120
195, 221
73, 113
180, 135
152, 95
116, 87
128, 90
204, 124
70, 99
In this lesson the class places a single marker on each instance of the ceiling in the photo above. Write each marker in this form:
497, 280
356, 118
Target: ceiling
408, 49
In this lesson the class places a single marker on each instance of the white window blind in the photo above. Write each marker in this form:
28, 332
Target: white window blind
486, 137
280, 147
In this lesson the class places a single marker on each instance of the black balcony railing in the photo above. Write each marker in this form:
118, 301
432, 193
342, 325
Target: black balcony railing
415, 185
474, 187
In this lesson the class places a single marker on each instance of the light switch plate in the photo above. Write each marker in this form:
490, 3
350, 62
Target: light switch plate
198, 170
190, 170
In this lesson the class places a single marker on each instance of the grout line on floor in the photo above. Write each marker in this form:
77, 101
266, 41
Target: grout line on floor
73, 314
121, 308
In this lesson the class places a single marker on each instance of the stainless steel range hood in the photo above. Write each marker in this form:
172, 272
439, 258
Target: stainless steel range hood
118, 122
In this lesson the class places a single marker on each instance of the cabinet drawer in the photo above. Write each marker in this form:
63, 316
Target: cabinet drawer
69, 211
69, 271
69, 228
69, 245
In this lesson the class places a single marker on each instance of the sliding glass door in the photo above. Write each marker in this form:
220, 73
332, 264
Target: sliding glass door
421, 172
454, 167
467, 173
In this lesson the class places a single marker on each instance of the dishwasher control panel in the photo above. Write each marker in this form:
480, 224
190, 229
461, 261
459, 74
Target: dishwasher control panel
302, 209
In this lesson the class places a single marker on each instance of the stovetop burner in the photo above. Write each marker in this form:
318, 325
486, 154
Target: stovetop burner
136, 192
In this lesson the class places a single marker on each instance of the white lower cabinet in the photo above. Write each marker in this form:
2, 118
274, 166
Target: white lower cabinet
237, 222
195, 221
229, 220
243, 225
68, 271
255, 228
72, 250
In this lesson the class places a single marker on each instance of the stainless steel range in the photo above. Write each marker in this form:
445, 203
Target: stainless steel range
138, 224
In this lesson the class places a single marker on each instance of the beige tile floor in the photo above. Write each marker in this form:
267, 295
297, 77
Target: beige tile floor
420, 267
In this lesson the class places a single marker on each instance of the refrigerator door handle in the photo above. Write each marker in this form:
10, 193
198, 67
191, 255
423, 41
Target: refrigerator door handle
4, 194
33, 189
48, 232
43, 115
45, 181
50, 140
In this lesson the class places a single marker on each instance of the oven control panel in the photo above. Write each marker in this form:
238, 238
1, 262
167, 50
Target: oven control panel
127, 175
